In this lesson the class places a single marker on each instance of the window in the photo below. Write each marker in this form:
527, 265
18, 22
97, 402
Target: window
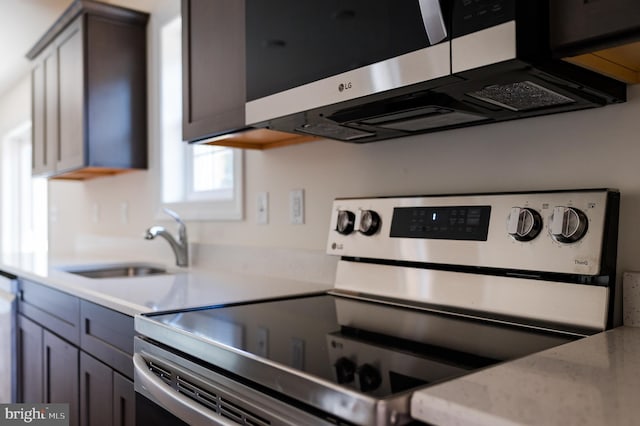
24, 199
200, 182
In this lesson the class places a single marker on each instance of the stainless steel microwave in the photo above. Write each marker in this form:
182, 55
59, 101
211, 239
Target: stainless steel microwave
360, 71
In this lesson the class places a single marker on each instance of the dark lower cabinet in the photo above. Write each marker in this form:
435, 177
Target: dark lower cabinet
30, 378
47, 368
106, 397
96, 389
124, 401
60, 360
85, 365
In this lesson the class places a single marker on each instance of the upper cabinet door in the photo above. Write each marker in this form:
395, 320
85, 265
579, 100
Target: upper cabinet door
39, 149
52, 130
213, 67
45, 118
71, 66
90, 93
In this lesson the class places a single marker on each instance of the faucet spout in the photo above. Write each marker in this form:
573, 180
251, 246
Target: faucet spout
180, 246
154, 231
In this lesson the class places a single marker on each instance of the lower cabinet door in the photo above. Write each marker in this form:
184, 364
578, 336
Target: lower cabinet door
30, 378
61, 373
96, 392
124, 401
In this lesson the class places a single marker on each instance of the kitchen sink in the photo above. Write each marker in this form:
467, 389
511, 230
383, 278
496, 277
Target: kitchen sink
117, 271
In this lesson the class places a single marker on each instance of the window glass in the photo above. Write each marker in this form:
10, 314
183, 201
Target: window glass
24, 198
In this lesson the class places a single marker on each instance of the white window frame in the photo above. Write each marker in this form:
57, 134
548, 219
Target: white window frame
212, 209
24, 199
176, 160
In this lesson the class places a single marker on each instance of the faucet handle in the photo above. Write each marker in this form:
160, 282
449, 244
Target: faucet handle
174, 215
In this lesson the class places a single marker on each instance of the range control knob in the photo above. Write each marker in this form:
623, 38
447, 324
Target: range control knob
369, 222
370, 378
567, 224
524, 224
345, 370
346, 220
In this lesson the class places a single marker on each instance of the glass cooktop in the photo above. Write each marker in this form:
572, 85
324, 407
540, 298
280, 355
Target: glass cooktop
370, 347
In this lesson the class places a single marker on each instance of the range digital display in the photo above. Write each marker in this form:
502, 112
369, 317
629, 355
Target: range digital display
441, 223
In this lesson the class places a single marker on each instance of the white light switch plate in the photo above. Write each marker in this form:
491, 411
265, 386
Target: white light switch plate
262, 213
296, 206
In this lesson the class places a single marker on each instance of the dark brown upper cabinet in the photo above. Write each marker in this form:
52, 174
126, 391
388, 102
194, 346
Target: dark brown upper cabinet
603, 36
213, 78
89, 93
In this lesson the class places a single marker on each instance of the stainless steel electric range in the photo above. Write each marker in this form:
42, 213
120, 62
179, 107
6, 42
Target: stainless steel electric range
427, 289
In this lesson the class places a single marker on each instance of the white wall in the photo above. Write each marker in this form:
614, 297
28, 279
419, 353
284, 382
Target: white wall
585, 149
15, 105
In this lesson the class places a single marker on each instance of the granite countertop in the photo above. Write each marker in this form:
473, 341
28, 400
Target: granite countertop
592, 381
181, 288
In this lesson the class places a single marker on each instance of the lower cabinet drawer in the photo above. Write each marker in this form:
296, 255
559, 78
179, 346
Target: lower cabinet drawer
108, 336
56, 310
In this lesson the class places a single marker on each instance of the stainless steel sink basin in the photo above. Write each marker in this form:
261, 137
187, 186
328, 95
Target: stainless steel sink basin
117, 271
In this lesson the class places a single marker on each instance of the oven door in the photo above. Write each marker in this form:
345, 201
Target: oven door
148, 412
159, 404
172, 390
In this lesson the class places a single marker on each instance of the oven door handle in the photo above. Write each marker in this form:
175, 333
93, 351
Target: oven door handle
172, 401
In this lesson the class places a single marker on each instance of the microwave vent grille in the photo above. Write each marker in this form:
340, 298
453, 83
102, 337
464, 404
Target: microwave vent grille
521, 96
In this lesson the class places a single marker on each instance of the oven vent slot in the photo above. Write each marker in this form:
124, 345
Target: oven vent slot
219, 404
211, 398
165, 375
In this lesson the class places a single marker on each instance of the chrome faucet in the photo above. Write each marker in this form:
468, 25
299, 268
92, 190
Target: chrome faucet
181, 246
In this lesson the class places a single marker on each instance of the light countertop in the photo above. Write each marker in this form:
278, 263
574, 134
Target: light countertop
592, 381
181, 288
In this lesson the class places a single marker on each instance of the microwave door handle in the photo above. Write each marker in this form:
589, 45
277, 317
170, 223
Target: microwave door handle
167, 398
433, 20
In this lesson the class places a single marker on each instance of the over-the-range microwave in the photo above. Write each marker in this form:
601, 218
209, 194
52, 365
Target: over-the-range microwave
360, 71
